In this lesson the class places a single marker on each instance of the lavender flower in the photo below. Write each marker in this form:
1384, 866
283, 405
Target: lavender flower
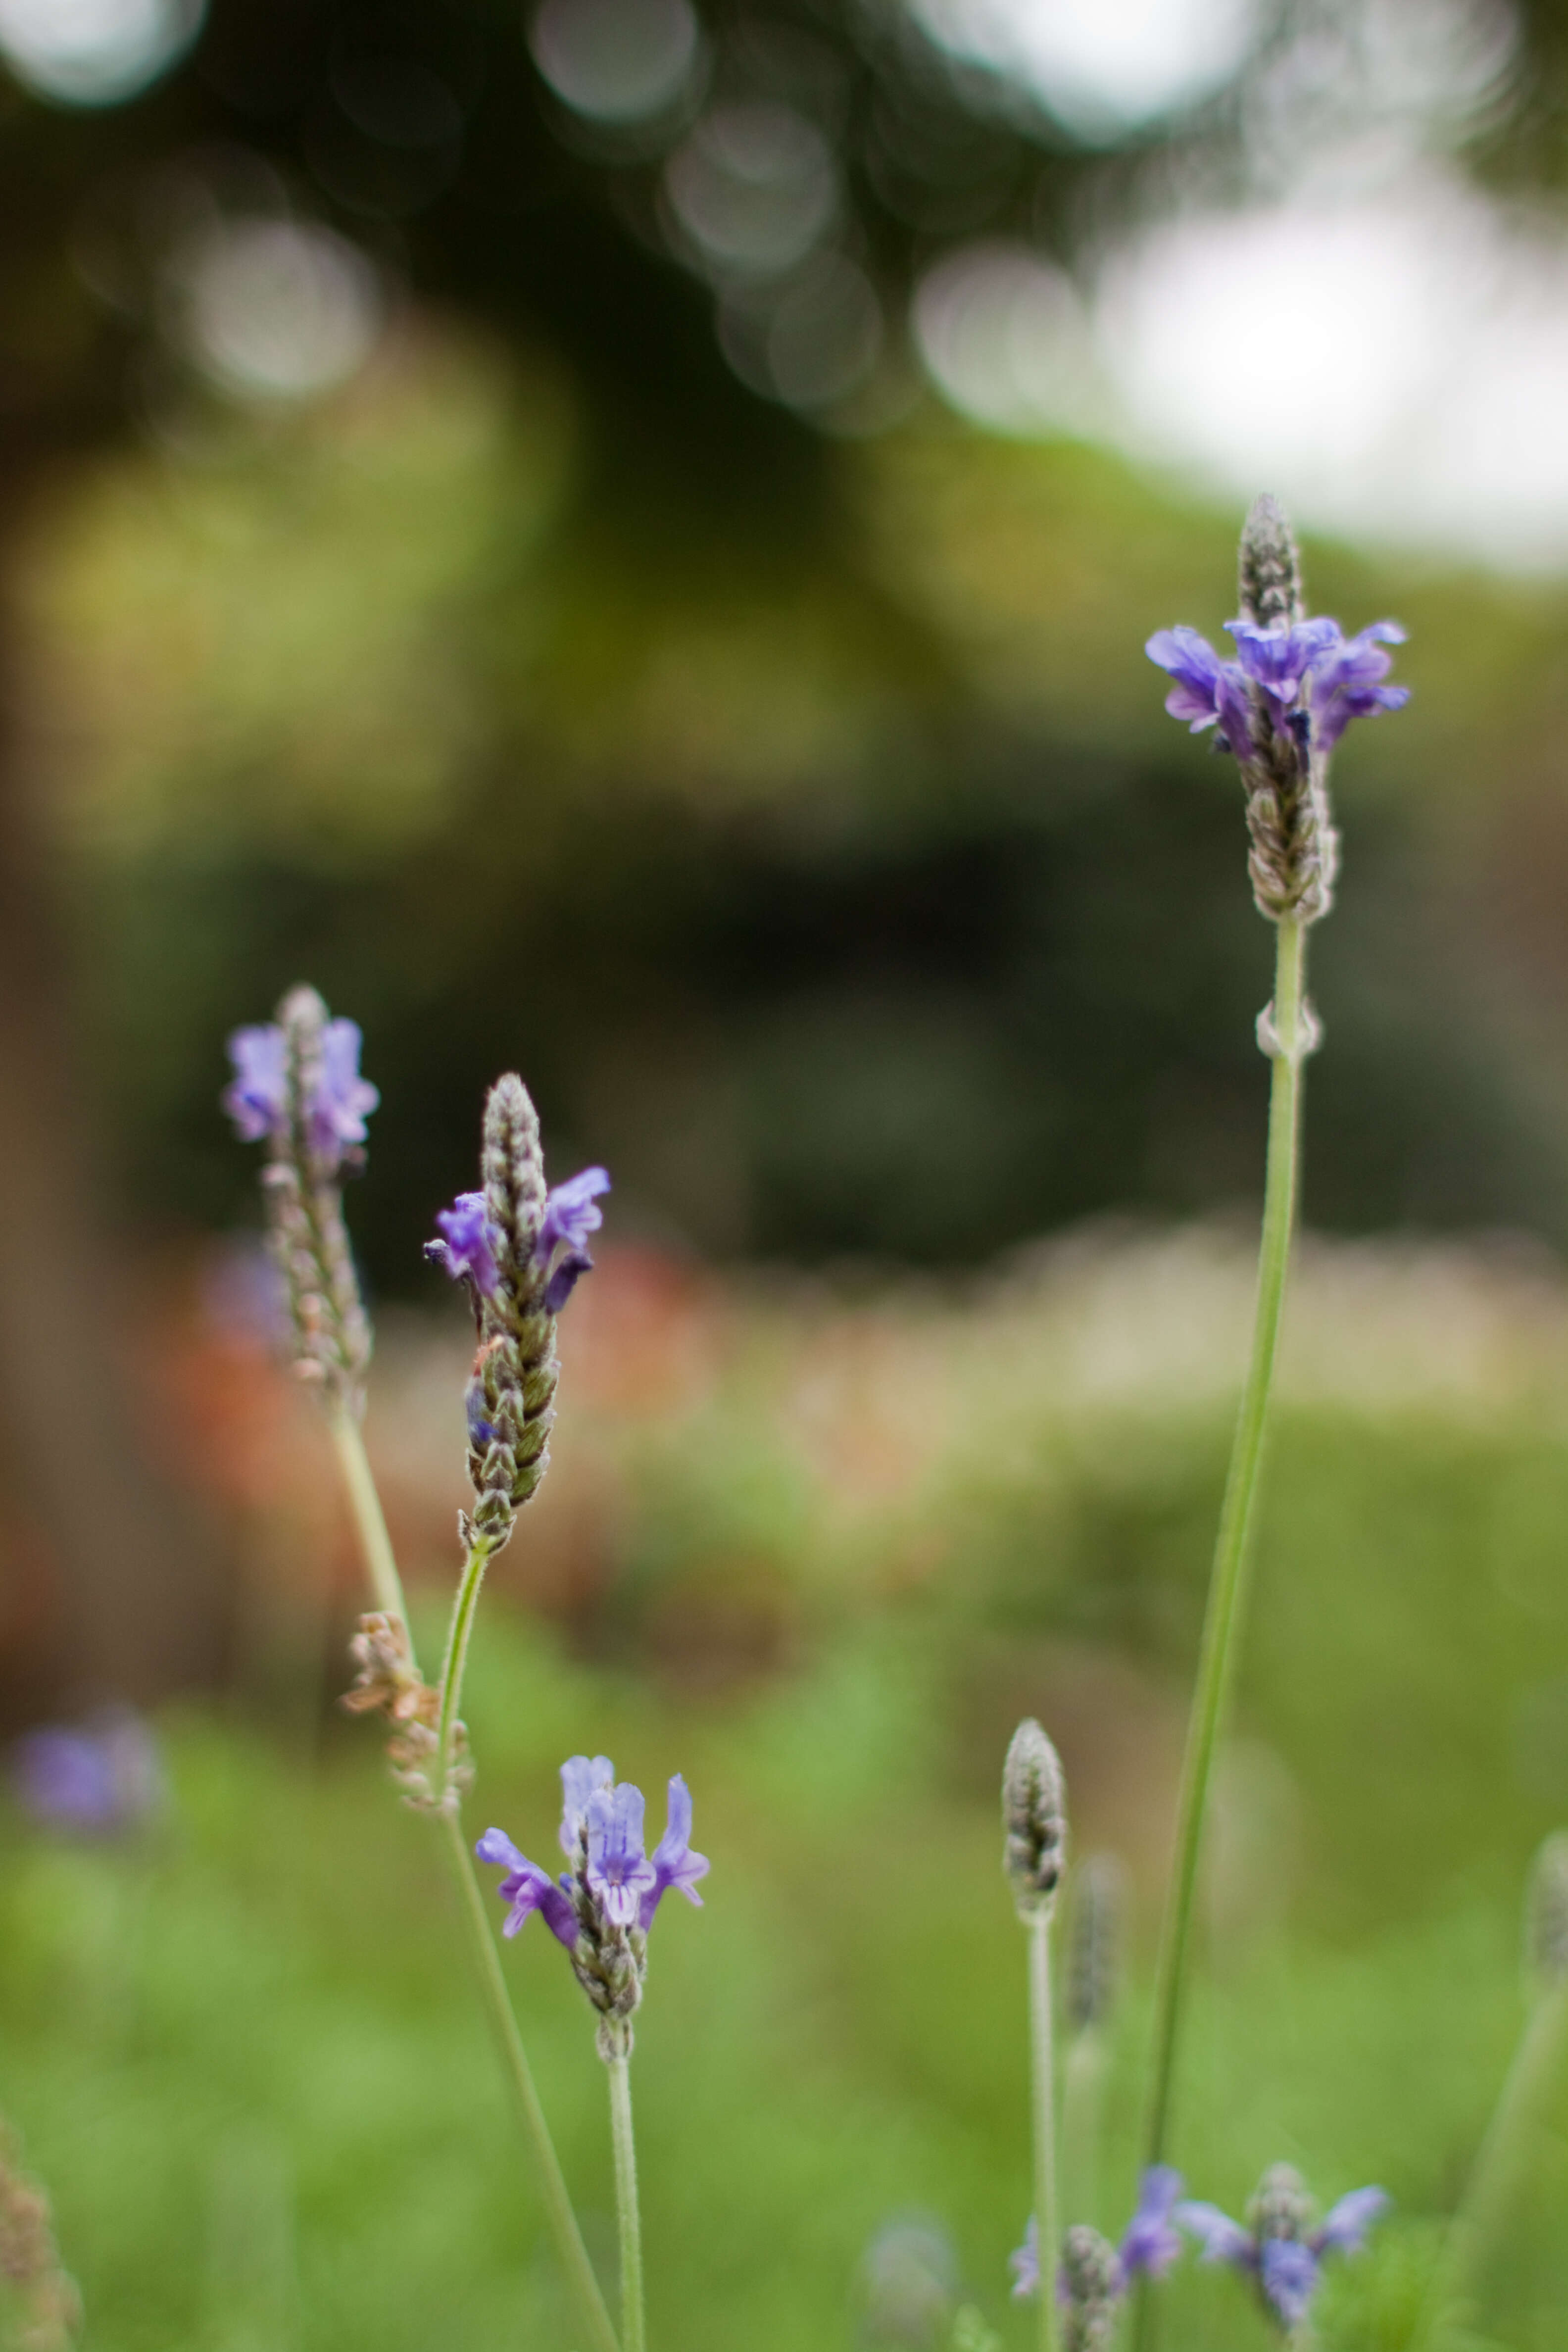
1280, 705
602, 1907
296, 1084
337, 1103
1282, 2243
466, 1249
467, 1246
520, 1249
1149, 2243
98, 1779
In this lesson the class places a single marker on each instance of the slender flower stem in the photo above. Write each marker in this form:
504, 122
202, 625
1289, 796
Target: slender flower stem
1083, 2118
1483, 2209
631, 2331
1043, 2101
1227, 1580
454, 1665
370, 1519
382, 1568
570, 2249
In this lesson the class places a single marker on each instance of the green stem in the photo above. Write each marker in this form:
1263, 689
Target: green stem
1227, 1581
454, 1664
627, 2214
1495, 2176
1043, 2103
569, 2247
370, 1519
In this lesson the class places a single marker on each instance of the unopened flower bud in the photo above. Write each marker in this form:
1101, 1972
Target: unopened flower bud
1268, 567
1091, 2290
1034, 1820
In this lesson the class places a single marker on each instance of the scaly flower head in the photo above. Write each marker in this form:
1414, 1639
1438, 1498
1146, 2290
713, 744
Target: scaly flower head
602, 1906
1282, 2243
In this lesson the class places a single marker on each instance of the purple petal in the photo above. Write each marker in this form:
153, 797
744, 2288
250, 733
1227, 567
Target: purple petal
1193, 662
618, 1872
571, 1212
563, 1281
528, 1889
1289, 2276
675, 1865
580, 1776
343, 1100
257, 1100
1345, 2225
1221, 2240
1025, 2263
1151, 2243
466, 1249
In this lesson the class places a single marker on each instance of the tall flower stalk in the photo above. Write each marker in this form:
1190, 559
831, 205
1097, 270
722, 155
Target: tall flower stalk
1034, 1850
1279, 708
296, 1086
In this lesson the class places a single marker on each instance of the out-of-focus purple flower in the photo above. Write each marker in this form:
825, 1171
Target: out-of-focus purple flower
466, 1250
571, 1213
602, 1906
1315, 679
98, 1779
1282, 2244
1149, 2243
257, 1099
341, 1100
527, 1889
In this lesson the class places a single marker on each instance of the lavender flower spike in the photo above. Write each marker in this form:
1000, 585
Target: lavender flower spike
602, 1906
466, 1248
99, 1778
1279, 2246
1281, 705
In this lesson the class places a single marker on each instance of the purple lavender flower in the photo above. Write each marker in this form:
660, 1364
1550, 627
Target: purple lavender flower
1315, 679
98, 1779
466, 1248
618, 1873
571, 1214
1279, 2246
1149, 2243
341, 1100
603, 1906
527, 1889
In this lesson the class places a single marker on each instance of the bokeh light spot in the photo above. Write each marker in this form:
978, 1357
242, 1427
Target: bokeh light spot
616, 60
94, 52
277, 309
1100, 66
755, 187
1003, 335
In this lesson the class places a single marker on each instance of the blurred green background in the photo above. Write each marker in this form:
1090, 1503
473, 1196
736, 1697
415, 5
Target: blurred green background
616, 539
